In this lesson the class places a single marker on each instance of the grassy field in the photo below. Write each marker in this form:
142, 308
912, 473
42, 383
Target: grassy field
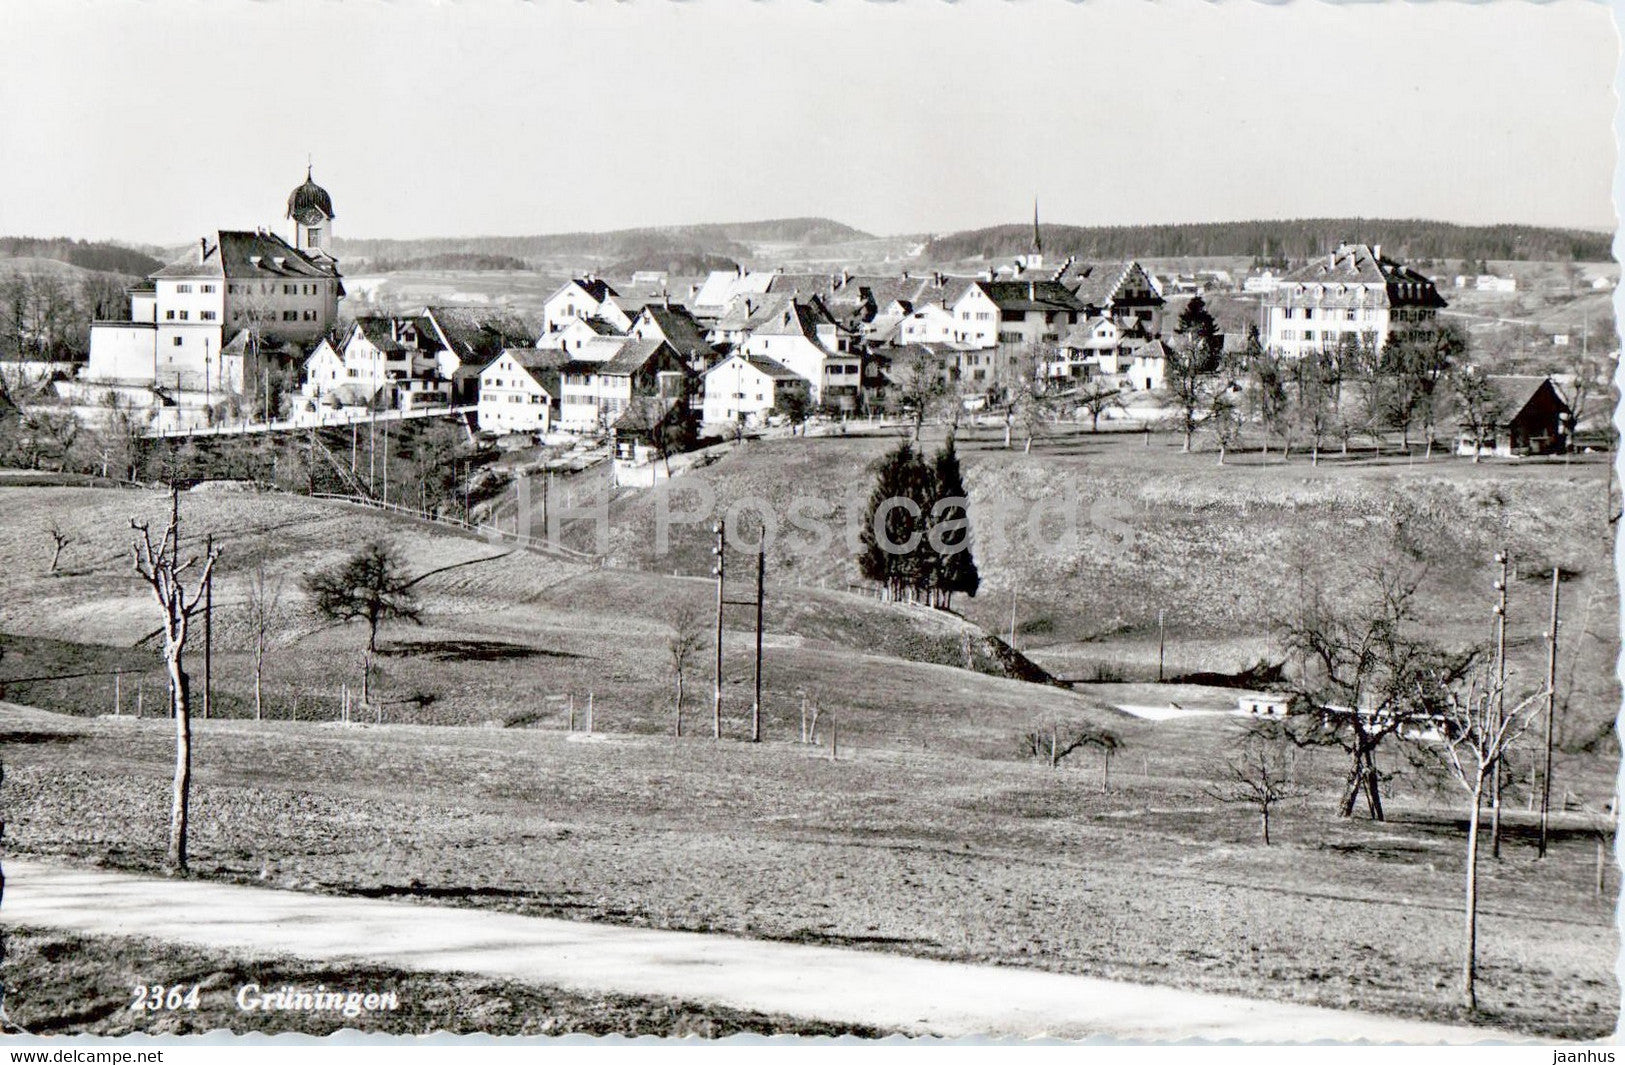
62, 984
1220, 551
928, 834
925, 851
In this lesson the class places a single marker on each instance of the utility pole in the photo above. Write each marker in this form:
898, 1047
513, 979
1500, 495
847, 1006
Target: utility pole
386, 462
756, 707
1551, 714
208, 630
718, 570
1500, 699
1160, 633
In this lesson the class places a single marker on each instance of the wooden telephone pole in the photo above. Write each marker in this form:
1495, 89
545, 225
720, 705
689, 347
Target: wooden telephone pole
1500, 698
717, 570
208, 631
1551, 715
756, 707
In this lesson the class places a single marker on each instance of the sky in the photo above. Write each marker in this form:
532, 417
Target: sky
159, 120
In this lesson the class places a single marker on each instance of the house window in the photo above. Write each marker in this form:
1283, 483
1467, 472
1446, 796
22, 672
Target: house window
312, 236
290, 316
175, 341
183, 288
184, 315
206, 288
169, 315
207, 316
288, 290
1351, 314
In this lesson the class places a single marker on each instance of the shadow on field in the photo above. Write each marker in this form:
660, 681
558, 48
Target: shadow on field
1518, 826
470, 651
22, 737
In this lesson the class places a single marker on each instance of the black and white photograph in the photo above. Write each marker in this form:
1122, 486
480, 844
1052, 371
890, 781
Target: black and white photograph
997, 521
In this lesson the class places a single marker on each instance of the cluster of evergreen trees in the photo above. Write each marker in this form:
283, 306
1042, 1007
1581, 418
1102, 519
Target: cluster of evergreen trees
919, 504
1277, 240
90, 255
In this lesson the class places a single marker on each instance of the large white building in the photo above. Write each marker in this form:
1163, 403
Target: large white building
1352, 293
241, 286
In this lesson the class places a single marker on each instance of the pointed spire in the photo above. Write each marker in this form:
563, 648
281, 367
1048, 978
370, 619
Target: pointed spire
1038, 243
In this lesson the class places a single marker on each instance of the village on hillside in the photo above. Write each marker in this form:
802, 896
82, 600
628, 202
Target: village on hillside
251, 332
932, 585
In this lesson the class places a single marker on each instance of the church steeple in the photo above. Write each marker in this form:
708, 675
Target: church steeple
1038, 242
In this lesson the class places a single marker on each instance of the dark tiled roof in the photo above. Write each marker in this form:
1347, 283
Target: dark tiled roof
1031, 296
677, 327
1517, 390
1360, 265
479, 335
254, 255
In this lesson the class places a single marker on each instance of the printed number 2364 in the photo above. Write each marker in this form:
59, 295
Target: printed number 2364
145, 998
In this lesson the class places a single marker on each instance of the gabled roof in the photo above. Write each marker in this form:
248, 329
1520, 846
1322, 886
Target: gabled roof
1098, 283
540, 366
617, 356
802, 286
245, 255
1361, 265
721, 286
771, 367
595, 325
796, 317
478, 335
595, 287
677, 327
1030, 296
1517, 391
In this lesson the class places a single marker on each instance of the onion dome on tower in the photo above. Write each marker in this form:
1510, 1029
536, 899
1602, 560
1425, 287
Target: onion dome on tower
311, 209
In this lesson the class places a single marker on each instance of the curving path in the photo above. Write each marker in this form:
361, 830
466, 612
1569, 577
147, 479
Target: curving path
883, 990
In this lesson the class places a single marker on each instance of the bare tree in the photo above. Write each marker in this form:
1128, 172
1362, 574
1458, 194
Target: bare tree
59, 541
1477, 730
1054, 740
371, 586
1097, 397
1479, 405
689, 626
1360, 652
264, 601
161, 567
1260, 771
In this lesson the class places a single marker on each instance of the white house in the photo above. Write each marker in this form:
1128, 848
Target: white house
993, 313
746, 387
519, 390
594, 391
802, 336
184, 316
380, 360
1353, 292
930, 323
580, 297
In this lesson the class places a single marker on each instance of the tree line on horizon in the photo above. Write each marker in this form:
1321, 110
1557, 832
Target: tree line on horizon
1305, 238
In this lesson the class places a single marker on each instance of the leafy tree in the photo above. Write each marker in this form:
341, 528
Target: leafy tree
920, 387
1313, 388
371, 586
1190, 370
894, 527
1224, 421
948, 530
263, 603
794, 405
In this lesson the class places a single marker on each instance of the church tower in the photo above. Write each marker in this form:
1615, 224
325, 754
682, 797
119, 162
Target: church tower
311, 209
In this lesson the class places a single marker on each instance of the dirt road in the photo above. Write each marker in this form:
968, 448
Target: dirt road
887, 991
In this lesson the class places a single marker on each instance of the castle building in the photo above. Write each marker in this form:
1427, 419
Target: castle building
1353, 293
241, 292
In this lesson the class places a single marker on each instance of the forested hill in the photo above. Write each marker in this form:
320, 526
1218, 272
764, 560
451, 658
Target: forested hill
108, 258
1404, 239
728, 239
